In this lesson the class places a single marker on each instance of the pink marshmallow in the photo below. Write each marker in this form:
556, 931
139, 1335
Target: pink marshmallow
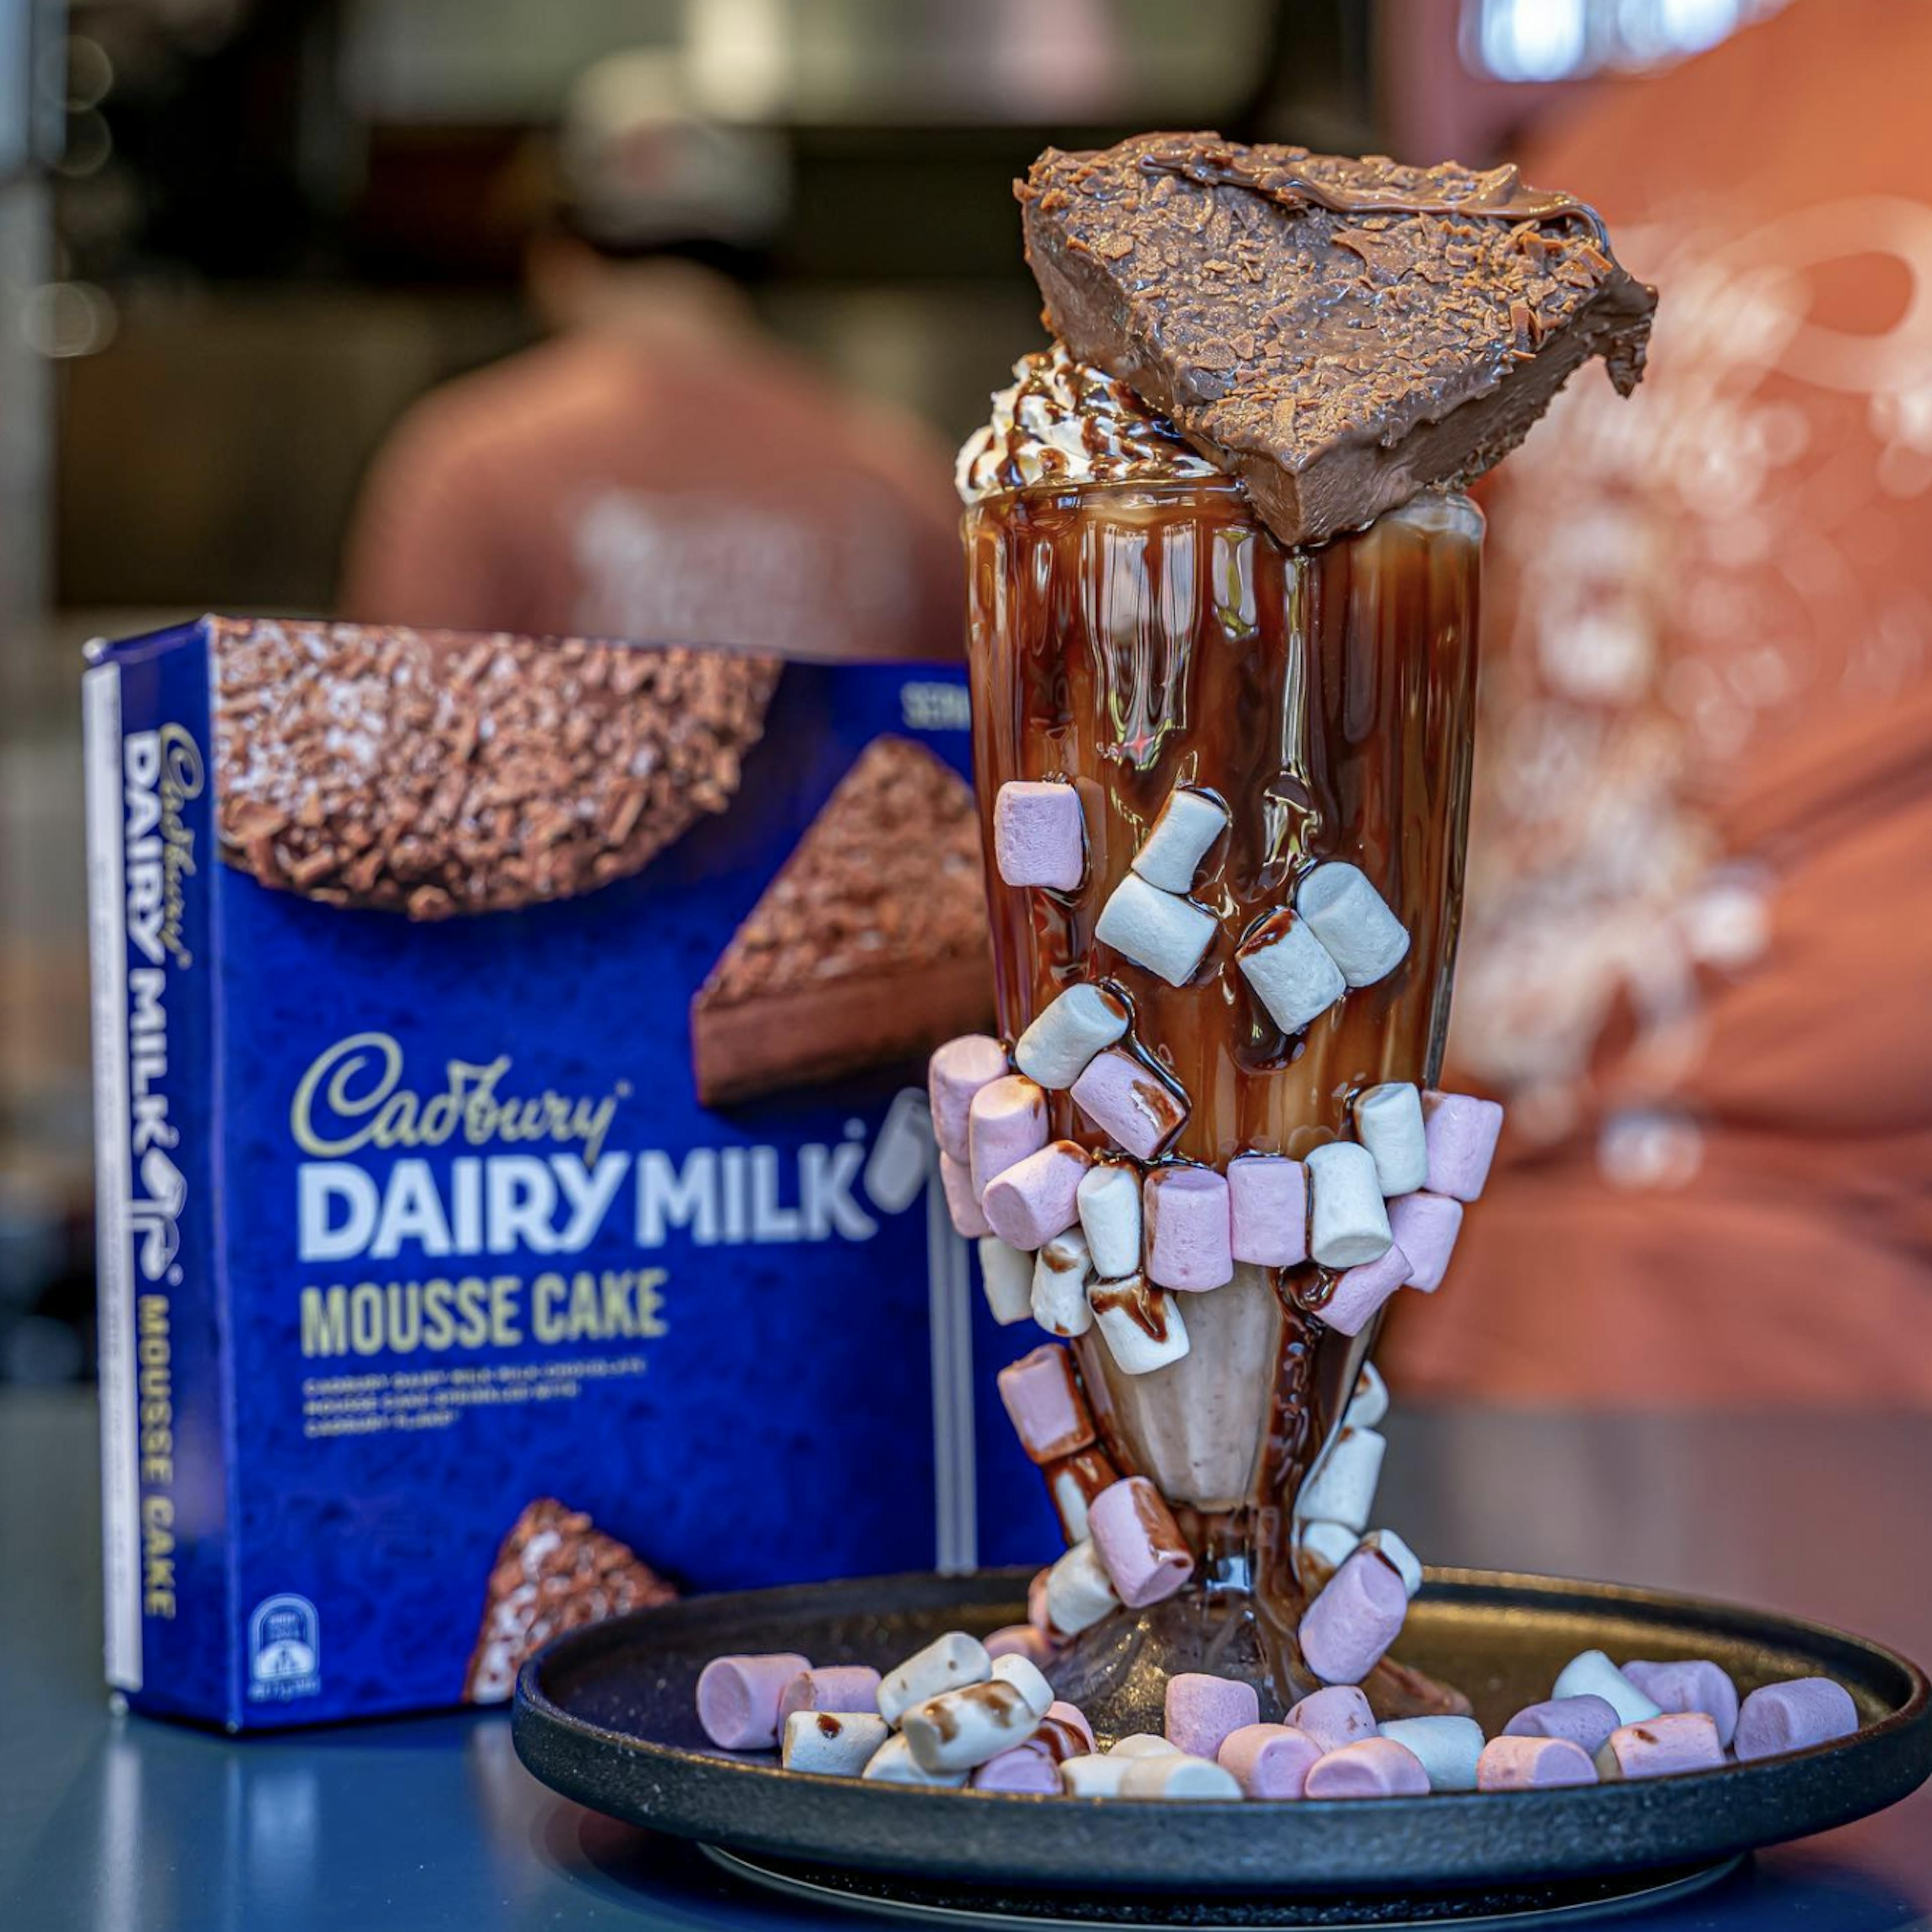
1005, 1123
1374, 1768
1049, 1413
1140, 1545
1139, 1109
1694, 1684
1361, 1291
1074, 1719
842, 1688
1021, 1640
1025, 1768
738, 1698
1660, 1746
1585, 1721
955, 1073
1037, 1614
962, 1202
1201, 1711
1425, 1227
1268, 1201
1793, 1716
1338, 1715
1516, 1762
1460, 1133
1269, 1760
1039, 838
1358, 1614
1031, 1202
1185, 1212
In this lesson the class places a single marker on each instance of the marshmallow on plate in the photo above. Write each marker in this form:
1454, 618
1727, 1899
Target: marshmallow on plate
1660, 1746
1794, 1716
1130, 1100
1425, 1227
1025, 1768
832, 1743
1186, 825
1177, 1775
1342, 1488
1027, 1678
1067, 1032
1020, 1640
1185, 1211
955, 1073
1166, 934
1144, 1743
1006, 1274
1513, 1762
1006, 1122
1140, 1544
738, 1697
1267, 1210
1592, 1674
1348, 1223
1109, 1198
1269, 1760
1359, 1293
1358, 1614
1093, 1774
1374, 1768
1140, 1325
1338, 1715
1584, 1721
1043, 1402
1067, 1722
1030, 1202
962, 1199
833, 1687
1388, 1123
948, 1662
1446, 1748
1061, 1271
1289, 971
1461, 1133
1075, 1483
1695, 1683
1039, 835
1201, 1712
1352, 921
1079, 1591
893, 1763
958, 1729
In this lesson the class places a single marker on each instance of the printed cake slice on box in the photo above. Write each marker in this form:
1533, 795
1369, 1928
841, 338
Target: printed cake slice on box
869, 947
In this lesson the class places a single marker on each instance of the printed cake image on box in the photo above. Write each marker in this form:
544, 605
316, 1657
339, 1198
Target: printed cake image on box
508, 1116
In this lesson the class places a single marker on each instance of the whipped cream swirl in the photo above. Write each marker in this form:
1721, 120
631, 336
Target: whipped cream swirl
1066, 422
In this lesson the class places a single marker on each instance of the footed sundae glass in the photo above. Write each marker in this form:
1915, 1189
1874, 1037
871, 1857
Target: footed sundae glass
1128, 636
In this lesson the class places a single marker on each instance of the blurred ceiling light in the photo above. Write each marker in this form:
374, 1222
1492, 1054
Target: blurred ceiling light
1565, 39
60, 319
1057, 58
86, 74
738, 57
1533, 40
87, 145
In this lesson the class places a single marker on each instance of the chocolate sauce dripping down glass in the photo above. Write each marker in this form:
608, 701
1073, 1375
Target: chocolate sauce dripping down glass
1130, 638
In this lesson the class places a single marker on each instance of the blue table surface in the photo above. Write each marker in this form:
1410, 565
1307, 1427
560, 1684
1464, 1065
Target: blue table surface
116, 1823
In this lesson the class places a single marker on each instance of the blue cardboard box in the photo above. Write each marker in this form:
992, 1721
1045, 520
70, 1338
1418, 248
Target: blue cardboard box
410, 1224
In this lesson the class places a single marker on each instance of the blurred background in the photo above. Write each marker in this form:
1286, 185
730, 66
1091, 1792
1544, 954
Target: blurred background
238, 240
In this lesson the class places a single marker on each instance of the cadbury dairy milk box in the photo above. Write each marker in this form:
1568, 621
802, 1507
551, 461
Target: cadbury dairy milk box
515, 1196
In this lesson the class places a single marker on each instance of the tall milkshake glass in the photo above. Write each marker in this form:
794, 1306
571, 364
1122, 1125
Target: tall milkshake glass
1130, 637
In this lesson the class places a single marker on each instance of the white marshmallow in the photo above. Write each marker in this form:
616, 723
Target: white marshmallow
1446, 1747
1166, 934
1007, 1273
1342, 1488
1397, 1554
893, 1763
1178, 1775
1290, 971
1027, 1678
1388, 1123
1067, 1032
1069, 1501
1332, 1542
959, 1730
948, 1662
1109, 1198
1061, 1271
1186, 825
1079, 1592
1134, 1350
1590, 1674
1370, 1402
1091, 1775
1348, 1223
1350, 918
1144, 1743
831, 1744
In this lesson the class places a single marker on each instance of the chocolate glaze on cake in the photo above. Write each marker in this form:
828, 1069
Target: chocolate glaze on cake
1338, 334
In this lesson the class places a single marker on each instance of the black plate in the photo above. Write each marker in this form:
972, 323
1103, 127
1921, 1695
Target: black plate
606, 1716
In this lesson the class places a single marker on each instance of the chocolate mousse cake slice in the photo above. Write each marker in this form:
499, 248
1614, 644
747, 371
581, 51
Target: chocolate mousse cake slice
870, 946
1338, 334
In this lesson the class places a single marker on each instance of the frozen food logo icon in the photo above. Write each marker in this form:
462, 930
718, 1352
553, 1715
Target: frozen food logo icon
284, 1650
156, 1221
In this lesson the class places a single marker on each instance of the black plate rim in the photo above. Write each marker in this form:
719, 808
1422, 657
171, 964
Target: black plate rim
1471, 1836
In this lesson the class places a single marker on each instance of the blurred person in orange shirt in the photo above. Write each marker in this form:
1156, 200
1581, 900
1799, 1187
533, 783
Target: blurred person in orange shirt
661, 468
1697, 957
